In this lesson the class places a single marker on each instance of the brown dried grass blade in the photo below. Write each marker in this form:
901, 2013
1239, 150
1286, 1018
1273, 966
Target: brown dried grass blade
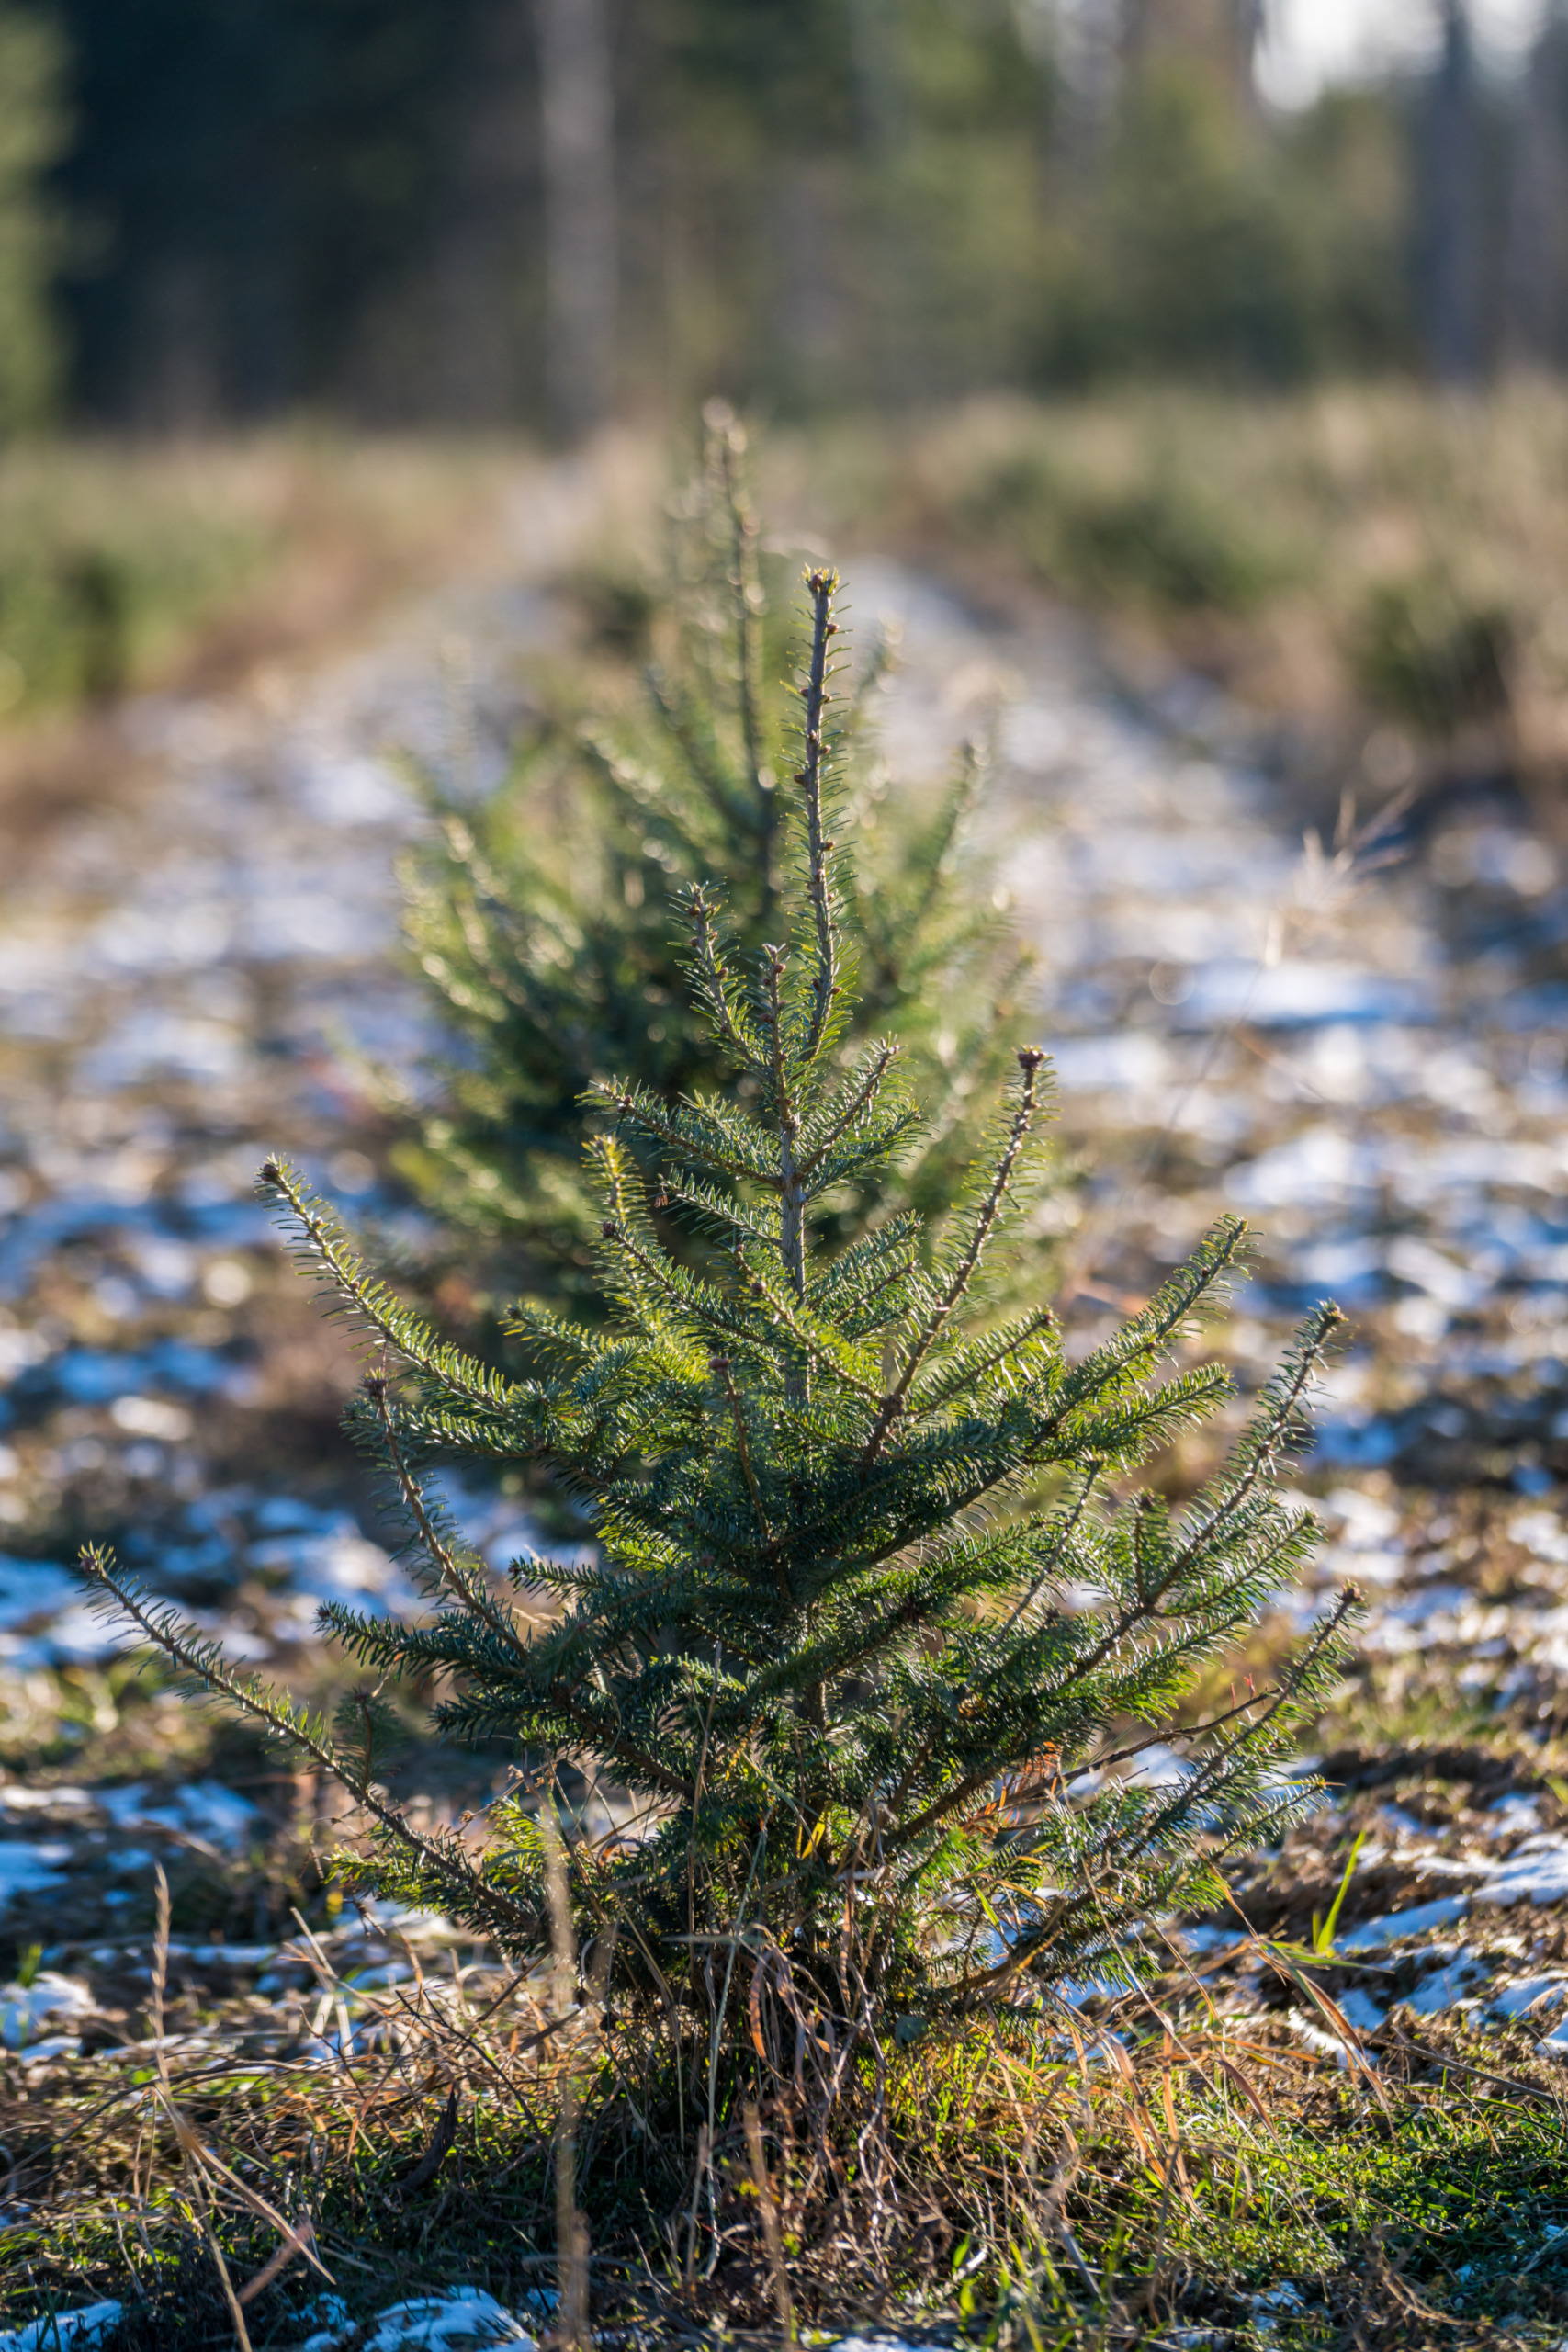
768, 2213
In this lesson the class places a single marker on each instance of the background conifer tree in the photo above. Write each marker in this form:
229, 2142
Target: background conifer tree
878, 1609
548, 919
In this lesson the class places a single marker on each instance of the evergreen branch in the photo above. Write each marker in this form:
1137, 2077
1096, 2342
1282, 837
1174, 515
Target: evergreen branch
1090, 1479
861, 1274
616, 1747
687, 1291
820, 1352
1325, 1641
203, 1662
974, 1364
821, 586
691, 1128
468, 1589
445, 1366
736, 1219
1028, 1061
1114, 1633
720, 1367
714, 981
860, 1101
1282, 1401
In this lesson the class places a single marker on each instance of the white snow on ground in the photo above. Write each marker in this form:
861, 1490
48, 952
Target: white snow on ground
1397, 1927
23, 2006
65, 2331
463, 2319
34, 1589
205, 1810
27, 1869
1536, 1873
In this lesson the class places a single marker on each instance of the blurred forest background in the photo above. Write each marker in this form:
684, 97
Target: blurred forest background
498, 213
1085, 292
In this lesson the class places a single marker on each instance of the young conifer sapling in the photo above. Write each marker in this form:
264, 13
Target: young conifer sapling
878, 1609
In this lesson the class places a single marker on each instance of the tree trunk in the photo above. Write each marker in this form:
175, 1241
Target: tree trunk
1536, 259
578, 144
1450, 202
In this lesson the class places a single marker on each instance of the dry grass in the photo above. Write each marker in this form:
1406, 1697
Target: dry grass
198, 568
1148, 2173
1349, 560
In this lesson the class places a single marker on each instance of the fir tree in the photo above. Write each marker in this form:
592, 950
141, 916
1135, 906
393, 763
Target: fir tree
879, 1606
547, 921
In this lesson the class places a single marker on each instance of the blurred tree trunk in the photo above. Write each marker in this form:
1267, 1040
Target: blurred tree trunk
1451, 203
1088, 38
1536, 260
578, 149
482, 220
1222, 34
884, 125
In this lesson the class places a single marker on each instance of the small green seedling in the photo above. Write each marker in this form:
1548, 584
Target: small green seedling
1323, 1935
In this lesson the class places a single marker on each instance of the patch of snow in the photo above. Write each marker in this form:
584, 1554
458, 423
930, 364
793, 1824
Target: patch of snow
1076, 1991
1542, 1533
338, 1567
895, 2343
1159, 1767
1444, 1987
465, 2319
339, 2327
57, 2045
1362, 2011
1312, 2036
1395, 1925
1513, 1817
26, 1869
205, 1810
79, 1635
1415, 1262
59, 2329
17, 1797
30, 1588
1536, 1871
1366, 1524
408, 1922
24, 2005
1202, 1938
1527, 1994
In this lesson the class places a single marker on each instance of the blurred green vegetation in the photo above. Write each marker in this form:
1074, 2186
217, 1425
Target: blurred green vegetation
1164, 540
811, 204
34, 131
1361, 557
1209, 249
103, 571
127, 565
1425, 654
